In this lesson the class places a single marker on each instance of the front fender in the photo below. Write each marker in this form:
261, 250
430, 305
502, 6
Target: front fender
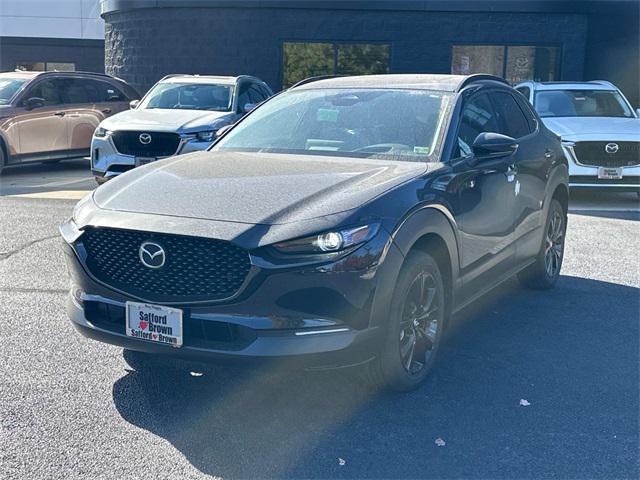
431, 219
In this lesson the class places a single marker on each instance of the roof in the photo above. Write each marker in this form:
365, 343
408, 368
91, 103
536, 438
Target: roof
447, 83
593, 85
180, 78
27, 75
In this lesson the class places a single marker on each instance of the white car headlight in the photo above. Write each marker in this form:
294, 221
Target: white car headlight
206, 136
102, 132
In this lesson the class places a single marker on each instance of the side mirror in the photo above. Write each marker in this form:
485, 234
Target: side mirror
221, 131
248, 107
133, 104
34, 102
490, 145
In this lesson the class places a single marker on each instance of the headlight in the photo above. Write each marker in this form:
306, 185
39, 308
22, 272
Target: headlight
329, 242
102, 132
207, 136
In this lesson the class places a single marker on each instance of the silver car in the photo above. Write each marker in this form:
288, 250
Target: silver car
180, 114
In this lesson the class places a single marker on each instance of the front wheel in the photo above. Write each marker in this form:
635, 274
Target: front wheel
415, 327
544, 273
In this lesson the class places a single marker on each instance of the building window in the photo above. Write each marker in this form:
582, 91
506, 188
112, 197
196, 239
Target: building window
46, 66
303, 60
516, 63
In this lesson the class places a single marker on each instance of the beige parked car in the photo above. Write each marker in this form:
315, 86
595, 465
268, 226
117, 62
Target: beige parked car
50, 116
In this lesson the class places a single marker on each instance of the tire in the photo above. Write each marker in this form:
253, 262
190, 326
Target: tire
543, 274
2, 157
415, 327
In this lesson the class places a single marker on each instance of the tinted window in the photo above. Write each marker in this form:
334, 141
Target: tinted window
48, 90
255, 94
478, 116
511, 120
105, 92
243, 96
76, 90
527, 110
526, 91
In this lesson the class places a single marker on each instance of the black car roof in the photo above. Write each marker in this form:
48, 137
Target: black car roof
448, 83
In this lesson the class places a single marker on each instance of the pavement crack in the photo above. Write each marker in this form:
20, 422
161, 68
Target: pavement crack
10, 253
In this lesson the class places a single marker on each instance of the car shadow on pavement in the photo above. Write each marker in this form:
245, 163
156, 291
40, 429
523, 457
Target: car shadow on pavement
571, 353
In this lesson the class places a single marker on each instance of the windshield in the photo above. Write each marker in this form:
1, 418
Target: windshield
9, 87
189, 96
581, 103
361, 123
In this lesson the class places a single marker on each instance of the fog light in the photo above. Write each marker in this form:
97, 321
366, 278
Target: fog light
76, 293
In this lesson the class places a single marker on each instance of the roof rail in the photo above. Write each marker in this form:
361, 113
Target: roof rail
313, 79
476, 77
603, 83
48, 72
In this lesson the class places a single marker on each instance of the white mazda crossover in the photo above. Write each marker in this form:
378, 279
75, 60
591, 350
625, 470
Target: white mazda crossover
599, 129
180, 114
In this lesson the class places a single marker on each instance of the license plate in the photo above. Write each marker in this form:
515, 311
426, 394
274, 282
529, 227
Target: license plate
144, 160
606, 173
154, 323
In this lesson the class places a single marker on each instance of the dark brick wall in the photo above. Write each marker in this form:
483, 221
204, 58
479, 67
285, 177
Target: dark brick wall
142, 45
88, 55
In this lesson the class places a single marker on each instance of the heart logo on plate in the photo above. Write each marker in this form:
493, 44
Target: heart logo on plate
143, 325
155, 336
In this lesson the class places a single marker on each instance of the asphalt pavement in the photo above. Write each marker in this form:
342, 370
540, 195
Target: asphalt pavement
74, 408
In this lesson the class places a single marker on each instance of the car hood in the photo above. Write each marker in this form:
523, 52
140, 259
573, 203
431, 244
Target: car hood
255, 188
158, 120
610, 128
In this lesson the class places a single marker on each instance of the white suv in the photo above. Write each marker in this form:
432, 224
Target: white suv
600, 131
180, 114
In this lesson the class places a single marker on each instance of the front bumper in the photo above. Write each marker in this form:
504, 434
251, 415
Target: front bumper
321, 316
107, 162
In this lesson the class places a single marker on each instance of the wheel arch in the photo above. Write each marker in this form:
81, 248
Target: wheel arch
430, 229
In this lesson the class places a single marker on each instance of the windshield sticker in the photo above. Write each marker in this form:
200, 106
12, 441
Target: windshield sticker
327, 115
421, 150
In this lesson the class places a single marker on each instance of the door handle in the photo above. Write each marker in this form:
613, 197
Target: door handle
548, 153
511, 172
106, 111
60, 114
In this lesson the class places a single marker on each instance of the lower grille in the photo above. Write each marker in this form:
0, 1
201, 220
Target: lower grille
197, 333
596, 154
195, 268
146, 144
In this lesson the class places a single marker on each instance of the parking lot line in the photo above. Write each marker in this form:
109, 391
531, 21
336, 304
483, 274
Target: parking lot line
56, 195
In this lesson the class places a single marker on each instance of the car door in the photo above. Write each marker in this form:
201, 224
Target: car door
533, 161
42, 130
80, 97
485, 213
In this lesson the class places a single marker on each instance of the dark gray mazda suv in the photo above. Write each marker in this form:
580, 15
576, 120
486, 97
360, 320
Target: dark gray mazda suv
340, 223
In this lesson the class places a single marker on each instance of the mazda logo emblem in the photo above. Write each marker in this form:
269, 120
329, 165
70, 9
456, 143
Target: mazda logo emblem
611, 148
152, 255
145, 138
